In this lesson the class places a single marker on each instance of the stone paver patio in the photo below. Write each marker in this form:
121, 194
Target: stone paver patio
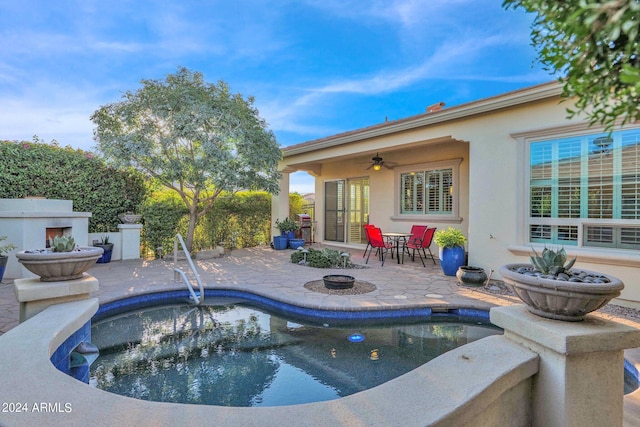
270, 273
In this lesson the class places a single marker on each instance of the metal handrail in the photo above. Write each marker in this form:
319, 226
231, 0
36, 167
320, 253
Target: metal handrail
186, 280
178, 272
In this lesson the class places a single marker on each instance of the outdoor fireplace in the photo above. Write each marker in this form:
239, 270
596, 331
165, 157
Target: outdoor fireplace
52, 232
29, 223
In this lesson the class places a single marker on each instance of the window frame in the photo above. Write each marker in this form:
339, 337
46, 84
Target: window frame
581, 223
453, 216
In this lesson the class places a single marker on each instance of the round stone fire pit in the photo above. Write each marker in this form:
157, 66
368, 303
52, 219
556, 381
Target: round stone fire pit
338, 281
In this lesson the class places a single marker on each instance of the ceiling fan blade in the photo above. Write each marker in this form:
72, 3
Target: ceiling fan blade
370, 166
386, 166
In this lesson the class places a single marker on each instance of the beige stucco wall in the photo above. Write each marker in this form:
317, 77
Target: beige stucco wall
492, 182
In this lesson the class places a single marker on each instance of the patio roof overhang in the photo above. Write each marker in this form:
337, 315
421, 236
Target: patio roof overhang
359, 152
361, 144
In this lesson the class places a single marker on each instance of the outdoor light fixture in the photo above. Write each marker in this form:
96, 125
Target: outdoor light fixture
344, 256
377, 163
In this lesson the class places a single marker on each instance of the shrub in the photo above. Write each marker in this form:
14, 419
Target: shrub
322, 258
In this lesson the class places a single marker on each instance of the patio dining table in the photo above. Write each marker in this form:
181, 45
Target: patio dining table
397, 237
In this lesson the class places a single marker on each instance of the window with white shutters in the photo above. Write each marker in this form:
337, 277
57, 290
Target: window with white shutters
428, 192
586, 190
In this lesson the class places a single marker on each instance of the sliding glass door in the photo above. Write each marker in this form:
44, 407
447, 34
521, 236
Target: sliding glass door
346, 210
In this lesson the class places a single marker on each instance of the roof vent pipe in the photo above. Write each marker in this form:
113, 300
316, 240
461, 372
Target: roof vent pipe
435, 107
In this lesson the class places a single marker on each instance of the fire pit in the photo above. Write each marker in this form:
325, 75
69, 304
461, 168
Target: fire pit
338, 281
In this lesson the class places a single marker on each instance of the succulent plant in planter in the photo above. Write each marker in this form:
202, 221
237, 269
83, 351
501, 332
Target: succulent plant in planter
63, 260
551, 262
550, 286
62, 244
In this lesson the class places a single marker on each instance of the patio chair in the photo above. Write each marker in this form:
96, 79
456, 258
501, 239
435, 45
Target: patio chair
417, 235
421, 243
378, 242
366, 234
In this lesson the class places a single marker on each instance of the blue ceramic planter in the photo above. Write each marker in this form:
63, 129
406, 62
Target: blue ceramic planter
3, 265
451, 259
280, 242
106, 255
295, 243
289, 234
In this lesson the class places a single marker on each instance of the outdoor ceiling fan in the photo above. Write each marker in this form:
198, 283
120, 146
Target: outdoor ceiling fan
377, 163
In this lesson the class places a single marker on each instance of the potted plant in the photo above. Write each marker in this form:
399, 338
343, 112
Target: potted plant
107, 248
63, 260
130, 218
287, 227
451, 242
4, 250
550, 287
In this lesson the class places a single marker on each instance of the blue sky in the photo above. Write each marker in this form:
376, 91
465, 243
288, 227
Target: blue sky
315, 67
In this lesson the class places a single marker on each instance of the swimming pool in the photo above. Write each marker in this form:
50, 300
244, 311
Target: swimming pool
246, 352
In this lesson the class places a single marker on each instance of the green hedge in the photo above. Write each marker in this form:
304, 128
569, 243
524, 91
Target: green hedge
240, 220
47, 170
37, 169
161, 214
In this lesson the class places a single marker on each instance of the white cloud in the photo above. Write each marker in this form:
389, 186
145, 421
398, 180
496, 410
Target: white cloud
449, 61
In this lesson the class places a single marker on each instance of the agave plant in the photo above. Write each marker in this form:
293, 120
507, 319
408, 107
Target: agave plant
62, 244
551, 262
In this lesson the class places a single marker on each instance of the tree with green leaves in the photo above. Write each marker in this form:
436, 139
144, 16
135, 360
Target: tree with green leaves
594, 46
194, 137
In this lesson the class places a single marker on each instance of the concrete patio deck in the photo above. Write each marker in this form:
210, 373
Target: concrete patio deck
270, 273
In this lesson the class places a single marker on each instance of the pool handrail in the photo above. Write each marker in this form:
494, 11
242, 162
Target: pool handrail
179, 272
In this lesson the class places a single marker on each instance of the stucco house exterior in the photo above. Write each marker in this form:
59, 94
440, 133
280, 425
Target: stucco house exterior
511, 171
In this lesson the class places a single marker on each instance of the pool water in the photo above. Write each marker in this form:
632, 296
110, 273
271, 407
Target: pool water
231, 353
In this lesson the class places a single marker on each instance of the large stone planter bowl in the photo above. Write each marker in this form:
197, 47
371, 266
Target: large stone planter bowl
130, 218
560, 300
60, 266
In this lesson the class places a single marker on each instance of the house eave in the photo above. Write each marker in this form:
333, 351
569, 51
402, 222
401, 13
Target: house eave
487, 105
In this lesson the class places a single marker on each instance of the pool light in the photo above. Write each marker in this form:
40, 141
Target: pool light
356, 337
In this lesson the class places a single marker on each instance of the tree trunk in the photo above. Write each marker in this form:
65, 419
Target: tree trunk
193, 218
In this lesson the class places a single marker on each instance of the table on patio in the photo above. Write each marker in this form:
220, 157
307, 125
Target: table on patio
396, 237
